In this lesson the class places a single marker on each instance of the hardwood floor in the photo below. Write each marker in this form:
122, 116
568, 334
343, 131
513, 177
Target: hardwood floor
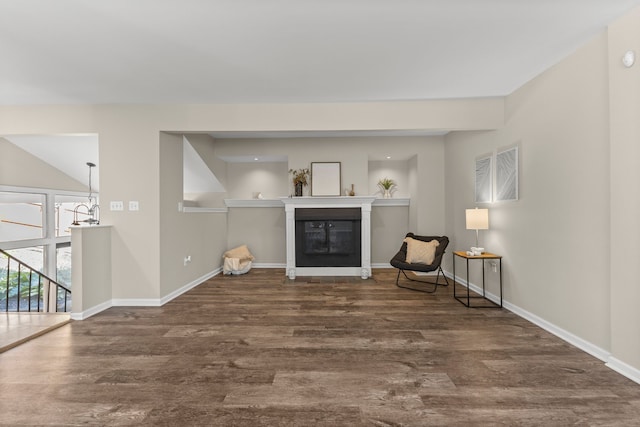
261, 350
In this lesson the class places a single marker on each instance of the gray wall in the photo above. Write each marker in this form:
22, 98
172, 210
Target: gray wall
572, 234
262, 229
624, 103
555, 238
389, 225
202, 236
91, 273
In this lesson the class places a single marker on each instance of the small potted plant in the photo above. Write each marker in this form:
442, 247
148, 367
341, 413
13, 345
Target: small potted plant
300, 179
386, 185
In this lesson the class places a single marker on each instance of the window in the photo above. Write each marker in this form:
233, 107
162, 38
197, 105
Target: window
63, 264
21, 216
35, 228
33, 256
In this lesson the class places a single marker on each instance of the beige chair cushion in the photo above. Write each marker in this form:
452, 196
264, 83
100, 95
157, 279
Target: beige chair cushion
421, 252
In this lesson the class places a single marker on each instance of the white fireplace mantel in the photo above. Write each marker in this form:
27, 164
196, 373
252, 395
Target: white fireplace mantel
362, 202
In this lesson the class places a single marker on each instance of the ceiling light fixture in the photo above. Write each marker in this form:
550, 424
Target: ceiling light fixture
93, 210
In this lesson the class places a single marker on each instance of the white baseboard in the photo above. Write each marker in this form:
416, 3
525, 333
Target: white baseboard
278, 265
284, 265
268, 265
622, 368
91, 311
143, 302
381, 265
567, 336
477, 289
136, 302
165, 299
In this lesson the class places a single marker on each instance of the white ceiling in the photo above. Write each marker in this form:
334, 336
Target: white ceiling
269, 51
276, 51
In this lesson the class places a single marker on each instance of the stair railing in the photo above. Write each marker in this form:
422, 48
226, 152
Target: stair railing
23, 288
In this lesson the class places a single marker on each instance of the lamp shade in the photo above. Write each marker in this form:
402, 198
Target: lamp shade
477, 219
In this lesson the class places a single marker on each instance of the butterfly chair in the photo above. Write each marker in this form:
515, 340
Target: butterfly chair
421, 250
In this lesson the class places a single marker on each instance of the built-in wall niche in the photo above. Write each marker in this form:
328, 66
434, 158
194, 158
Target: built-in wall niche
246, 179
397, 170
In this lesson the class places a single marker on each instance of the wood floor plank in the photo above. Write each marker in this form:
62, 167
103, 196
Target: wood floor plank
263, 350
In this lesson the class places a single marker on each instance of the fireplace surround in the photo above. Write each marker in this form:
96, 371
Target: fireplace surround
328, 220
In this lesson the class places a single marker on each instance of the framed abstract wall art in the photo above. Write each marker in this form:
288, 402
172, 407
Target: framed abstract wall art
483, 179
507, 174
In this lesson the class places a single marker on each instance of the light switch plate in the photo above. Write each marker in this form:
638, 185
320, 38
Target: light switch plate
134, 205
117, 205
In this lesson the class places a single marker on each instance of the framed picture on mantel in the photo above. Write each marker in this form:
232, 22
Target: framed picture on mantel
325, 178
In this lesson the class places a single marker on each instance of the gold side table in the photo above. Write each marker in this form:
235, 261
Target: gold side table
466, 300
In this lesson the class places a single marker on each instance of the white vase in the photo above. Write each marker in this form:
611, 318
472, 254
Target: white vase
387, 194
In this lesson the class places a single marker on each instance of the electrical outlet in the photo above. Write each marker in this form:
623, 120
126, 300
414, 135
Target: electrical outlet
134, 205
494, 266
187, 260
117, 205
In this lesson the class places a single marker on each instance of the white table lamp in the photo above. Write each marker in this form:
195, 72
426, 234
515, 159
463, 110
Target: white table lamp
477, 219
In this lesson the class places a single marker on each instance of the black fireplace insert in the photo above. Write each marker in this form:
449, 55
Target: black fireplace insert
328, 237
